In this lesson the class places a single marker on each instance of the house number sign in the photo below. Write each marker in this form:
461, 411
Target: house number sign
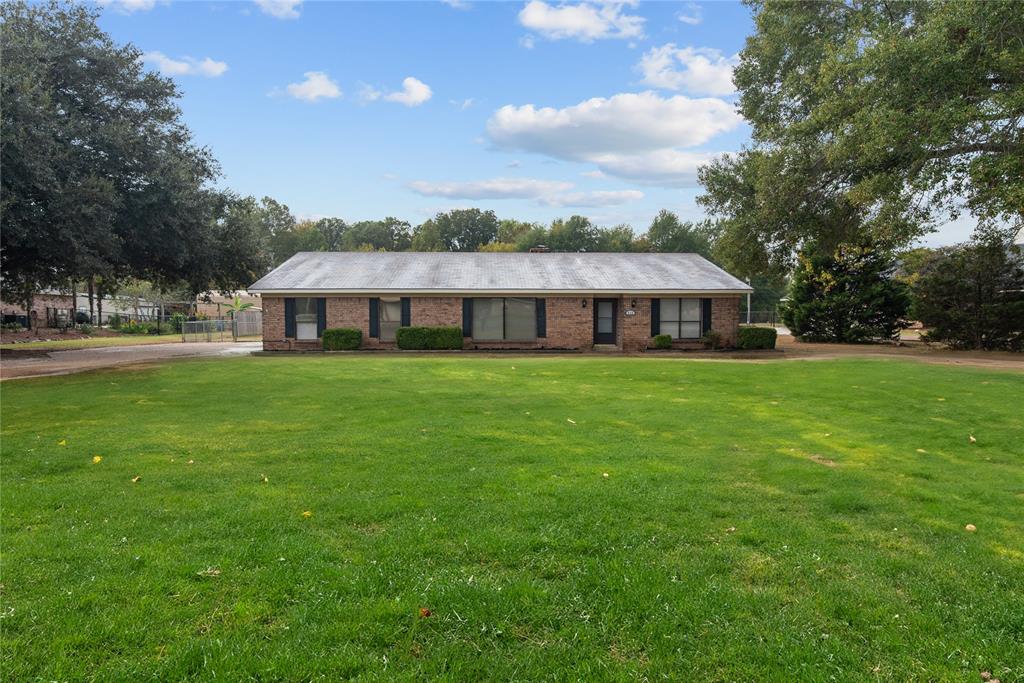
630, 311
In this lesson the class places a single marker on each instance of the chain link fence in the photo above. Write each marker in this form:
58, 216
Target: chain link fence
246, 325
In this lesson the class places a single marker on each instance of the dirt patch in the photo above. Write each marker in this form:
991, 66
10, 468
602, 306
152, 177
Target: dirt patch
821, 460
907, 350
52, 334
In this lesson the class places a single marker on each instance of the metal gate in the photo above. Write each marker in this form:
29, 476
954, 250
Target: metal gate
247, 325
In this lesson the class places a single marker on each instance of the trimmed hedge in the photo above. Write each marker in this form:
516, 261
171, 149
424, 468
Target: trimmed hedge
342, 339
429, 338
756, 338
663, 341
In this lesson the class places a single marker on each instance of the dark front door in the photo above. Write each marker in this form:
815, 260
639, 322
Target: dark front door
604, 321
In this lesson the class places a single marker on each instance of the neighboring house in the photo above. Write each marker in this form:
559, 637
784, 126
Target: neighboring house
215, 304
1019, 240
501, 300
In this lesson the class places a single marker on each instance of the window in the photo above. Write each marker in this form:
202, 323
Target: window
390, 318
305, 318
505, 319
680, 318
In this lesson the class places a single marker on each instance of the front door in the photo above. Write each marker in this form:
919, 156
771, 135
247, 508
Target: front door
604, 321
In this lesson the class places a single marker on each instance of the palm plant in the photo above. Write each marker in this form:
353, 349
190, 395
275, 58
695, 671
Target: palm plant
234, 307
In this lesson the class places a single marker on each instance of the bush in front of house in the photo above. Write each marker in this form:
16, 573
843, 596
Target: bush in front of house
342, 339
429, 338
134, 327
663, 341
177, 321
756, 338
712, 339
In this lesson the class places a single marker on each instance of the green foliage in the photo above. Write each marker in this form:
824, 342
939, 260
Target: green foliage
712, 339
12, 327
576, 233
870, 121
972, 297
135, 327
115, 321
756, 338
177, 322
846, 296
457, 230
668, 234
663, 341
85, 328
342, 339
429, 338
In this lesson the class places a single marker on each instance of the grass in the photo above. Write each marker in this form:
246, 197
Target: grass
771, 521
95, 342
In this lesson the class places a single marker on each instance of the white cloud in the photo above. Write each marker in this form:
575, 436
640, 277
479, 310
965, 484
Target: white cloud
638, 136
585, 21
129, 6
694, 16
186, 66
317, 85
457, 4
464, 104
598, 198
542, 192
705, 71
593, 174
527, 42
281, 9
414, 92
494, 188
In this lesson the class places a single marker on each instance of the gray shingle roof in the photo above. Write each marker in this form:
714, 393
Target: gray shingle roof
447, 272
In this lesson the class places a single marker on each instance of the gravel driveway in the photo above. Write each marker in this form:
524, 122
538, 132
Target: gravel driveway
18, 364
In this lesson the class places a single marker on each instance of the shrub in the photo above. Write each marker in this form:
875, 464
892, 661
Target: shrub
85, 328
13, 327
846, 296
712, 339
342, 339
429, 338
115, 321
133, 327
81, 317
663, 341
756, 338
177, 321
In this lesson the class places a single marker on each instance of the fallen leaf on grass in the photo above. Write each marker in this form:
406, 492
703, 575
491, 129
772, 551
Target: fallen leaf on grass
307, 514
136, 479
190, 462
921, 450
971, 438
730, 530
264, 478
62, 442
605, 475
424, 613
209, 571
570, 421
97, 459
971, 527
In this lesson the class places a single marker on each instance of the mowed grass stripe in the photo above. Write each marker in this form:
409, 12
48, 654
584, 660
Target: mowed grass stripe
758, 521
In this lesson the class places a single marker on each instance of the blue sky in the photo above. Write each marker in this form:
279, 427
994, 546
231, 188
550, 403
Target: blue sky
533, 109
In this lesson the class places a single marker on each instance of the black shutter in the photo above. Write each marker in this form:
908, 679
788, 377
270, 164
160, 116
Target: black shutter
705, 316
542, 318
406, 311
375, 318
467, 317
655, 317
289, 318
321, 316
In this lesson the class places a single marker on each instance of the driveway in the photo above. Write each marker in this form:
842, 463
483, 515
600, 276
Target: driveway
38, 363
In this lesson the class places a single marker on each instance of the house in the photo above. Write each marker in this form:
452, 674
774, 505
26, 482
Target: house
501, 300
215, 304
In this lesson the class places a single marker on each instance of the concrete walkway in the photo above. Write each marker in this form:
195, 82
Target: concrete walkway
41, 363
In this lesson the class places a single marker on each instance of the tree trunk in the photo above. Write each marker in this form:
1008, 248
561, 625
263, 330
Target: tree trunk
74, 302
92, 288
28, 295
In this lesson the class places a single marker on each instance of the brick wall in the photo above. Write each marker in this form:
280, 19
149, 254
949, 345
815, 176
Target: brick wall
570, 325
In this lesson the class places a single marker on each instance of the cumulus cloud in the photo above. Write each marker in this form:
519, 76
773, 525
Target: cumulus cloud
414, 92
585, 21
318, 85
638, 136
542, 192
697, 70
457, 4
280, 9
186, 66
129, 6
692, 16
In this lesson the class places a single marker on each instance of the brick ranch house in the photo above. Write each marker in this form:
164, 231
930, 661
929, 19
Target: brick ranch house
501, 300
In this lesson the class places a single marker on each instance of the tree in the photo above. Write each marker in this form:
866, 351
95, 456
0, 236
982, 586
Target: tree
870, 121
972, 296
618, 238
235, 307
846, 296
332, 233
389, 234
575, 234
510, 230
457, 230
668, 234
95, 157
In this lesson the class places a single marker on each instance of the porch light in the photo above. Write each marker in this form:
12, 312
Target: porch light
584, 303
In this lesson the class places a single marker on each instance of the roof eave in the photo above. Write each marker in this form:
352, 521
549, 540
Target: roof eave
495, 292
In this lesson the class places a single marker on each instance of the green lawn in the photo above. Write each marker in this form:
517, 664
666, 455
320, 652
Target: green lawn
758, 522
95, 342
